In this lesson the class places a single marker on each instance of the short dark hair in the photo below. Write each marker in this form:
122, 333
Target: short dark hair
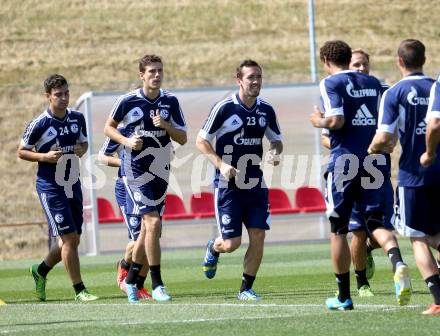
338, 52
245, 63
54, 81
412, 53
362, 52
147, 60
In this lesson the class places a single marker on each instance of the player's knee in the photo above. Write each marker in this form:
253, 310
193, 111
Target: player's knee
71, 240
338, 225
359, 236
153, 225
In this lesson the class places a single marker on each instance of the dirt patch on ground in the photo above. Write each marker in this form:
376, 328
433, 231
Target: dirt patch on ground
23, 242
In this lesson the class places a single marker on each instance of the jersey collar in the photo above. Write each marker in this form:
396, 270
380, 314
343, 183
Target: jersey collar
142, 94
50, 114
237, 101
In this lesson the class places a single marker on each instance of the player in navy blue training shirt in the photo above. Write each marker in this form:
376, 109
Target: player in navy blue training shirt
404, 108
151, 118
433, 126
351, 101
361, 247
110, 155
432, 132
238, 124
56, 139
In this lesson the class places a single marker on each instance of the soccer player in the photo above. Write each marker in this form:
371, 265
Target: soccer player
429, 157
152, 117
361, 247
133, 222
350, 102
56, 139
238, 123
432, 132
404, 107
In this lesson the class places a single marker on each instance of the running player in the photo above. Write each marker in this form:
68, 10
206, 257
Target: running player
238, 123
404, 108
110, 155
350, 102
152, 117
57, 139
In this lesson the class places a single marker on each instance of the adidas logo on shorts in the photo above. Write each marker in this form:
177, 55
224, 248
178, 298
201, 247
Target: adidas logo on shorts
363, 117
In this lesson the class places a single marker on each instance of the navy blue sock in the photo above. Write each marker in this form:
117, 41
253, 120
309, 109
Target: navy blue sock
156, 278
247, 282
343, 281
43, 269
133, 273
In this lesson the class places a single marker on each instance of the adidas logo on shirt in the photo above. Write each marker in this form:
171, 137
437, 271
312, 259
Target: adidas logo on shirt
363, 117
235, 122
421, 127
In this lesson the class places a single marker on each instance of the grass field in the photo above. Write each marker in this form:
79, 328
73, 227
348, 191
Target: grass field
294, 280
95, 44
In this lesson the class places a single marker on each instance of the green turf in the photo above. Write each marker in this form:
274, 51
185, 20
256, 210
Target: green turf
294, 280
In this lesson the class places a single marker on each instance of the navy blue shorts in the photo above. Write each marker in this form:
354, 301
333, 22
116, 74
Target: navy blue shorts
133, 222
357, 219
417, 211
145, 198
64, 215
235, 207
341, 197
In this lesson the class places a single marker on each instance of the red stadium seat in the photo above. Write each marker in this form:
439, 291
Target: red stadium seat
106, 213
202, 205
279, 202
309, 199
175, 209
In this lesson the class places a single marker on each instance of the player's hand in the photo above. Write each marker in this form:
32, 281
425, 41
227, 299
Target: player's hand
273, 158
53, 156
427, 160
135, 142
316, 117
158, 121
389, 147
79, 149
228, 171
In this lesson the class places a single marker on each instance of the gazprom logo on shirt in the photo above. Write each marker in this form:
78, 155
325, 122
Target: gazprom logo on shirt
239, 140
359, 93
163, 105
413, 98
421, 127
363, 117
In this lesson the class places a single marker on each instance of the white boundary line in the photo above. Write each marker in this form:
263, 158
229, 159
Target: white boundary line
96, 322
170, 304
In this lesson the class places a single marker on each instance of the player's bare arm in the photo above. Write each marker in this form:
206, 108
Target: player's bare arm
80, 149
110, 130
30, 155
273, 155
432, 141
325, 141
109, 160
175, 134
205, 147
319, 121
383, 142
